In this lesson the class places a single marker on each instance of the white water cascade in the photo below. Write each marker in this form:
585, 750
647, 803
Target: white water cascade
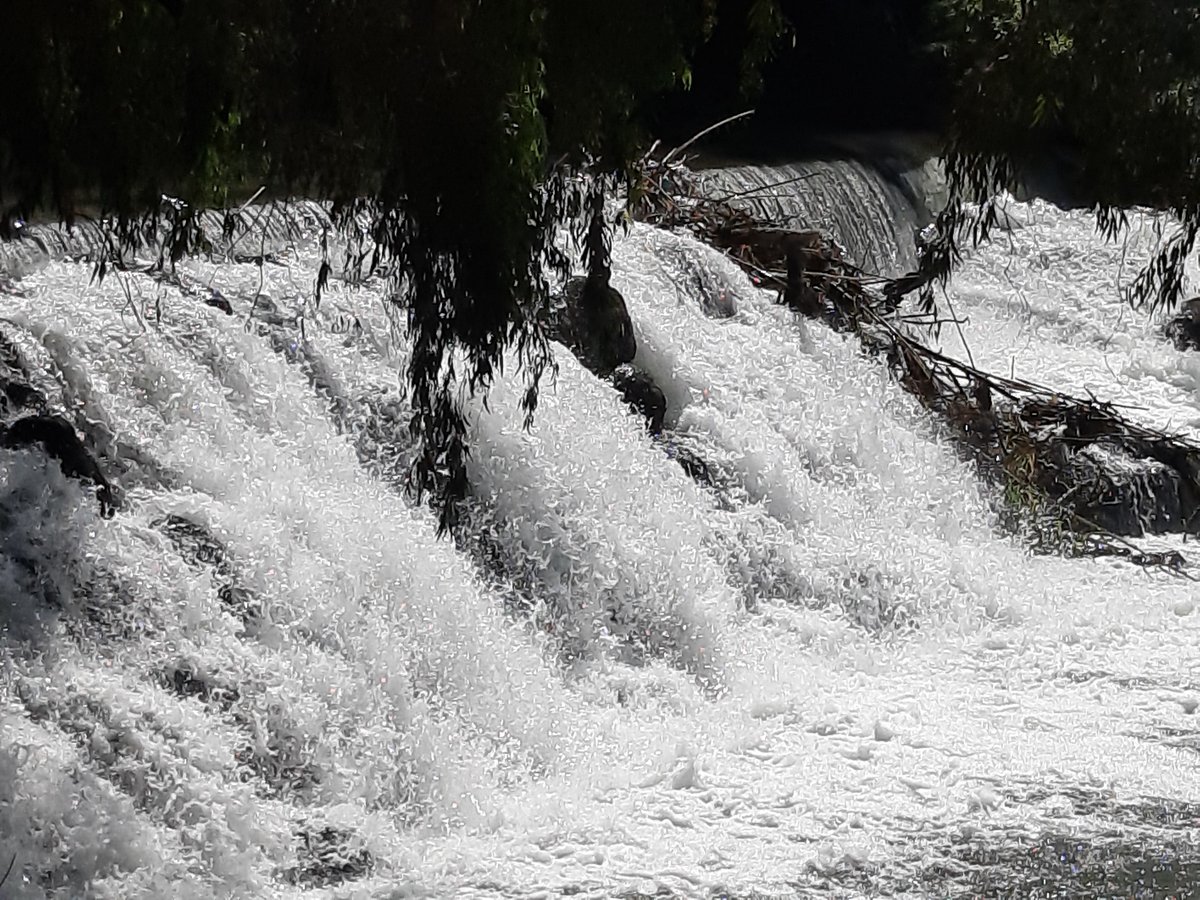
832, 675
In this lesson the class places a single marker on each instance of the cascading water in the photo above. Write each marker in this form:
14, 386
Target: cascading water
827, 671
872, 213
1050, 308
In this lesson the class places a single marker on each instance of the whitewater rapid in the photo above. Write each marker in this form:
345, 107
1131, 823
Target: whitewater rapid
833, 674
1045, 301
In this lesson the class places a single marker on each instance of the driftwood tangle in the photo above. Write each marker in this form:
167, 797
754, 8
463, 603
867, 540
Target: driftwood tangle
1075, 474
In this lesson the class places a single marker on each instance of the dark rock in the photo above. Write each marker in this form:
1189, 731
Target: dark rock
59, 440
692, 463
217, 300
259, 259
1166, 559
807, 251
813, 286
801, 296
266, 310
1118, 490
640, 392
239, 601
644, 396
21, 396
1184, 329
187, 679
593, 321
196, 544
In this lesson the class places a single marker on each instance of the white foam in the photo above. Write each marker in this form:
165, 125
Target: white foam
909, 676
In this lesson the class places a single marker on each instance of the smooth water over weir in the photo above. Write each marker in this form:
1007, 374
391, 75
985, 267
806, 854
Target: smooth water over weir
872, 212
265, 677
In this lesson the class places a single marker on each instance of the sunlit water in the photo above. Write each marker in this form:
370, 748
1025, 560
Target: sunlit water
1044, 301
834, 675
873, 215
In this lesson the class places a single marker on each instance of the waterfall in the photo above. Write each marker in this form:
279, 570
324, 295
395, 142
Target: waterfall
822, 669
872, 210
245, 234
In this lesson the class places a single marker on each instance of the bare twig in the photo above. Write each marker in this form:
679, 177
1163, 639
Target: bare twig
253, 197
1020, 442
11, 863
766, 187
708, 130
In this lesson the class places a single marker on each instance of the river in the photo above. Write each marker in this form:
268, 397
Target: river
833, 675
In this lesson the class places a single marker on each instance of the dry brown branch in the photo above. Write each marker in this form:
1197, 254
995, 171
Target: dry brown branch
1025, 437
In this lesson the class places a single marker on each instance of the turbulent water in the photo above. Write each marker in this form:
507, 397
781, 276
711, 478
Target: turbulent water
831, 674
1045, 303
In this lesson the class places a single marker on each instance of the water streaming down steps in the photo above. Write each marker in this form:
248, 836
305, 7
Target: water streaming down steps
266, 678
872, 211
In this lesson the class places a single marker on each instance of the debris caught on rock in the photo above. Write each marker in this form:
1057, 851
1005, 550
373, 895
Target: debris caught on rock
1075, 474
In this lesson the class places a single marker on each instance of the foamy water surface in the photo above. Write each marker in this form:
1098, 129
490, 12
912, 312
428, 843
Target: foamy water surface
834, 674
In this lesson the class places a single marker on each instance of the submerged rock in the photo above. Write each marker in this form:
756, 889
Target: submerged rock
696, 466
187, 678
328, 857
200, 548
1184, 329
718, 304
266, 310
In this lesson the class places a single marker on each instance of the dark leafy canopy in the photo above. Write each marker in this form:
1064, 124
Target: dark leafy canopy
1114, 84
456, 126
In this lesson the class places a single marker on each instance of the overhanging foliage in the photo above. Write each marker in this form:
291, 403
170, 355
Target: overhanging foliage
456, 127
1114, 86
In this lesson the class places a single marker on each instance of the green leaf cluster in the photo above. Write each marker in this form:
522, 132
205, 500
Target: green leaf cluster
1112, 86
